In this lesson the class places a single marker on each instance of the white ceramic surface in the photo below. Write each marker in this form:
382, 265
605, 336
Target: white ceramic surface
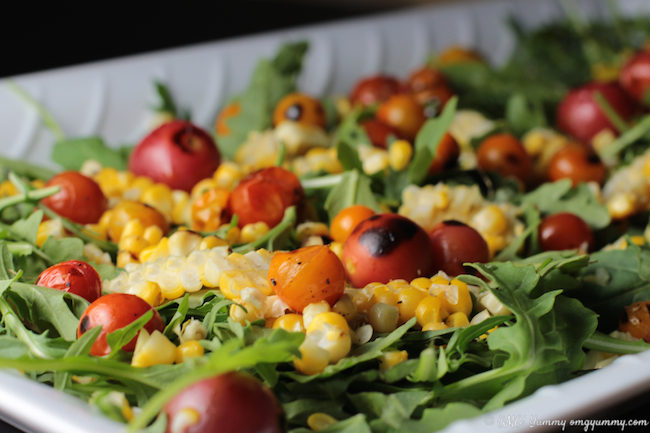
110, 99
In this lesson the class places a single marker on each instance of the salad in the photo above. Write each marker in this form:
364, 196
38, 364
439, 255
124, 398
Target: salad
424, 249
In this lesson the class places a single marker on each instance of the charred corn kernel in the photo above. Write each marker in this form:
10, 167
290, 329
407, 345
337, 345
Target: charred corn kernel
621, 206
434, 326
490, 219
457, 320
133, 244
96, 231
53, 227
170, 285
124, 258
153, 349
7, 189
328, 317
191, 330
337, 248
312, 310
290, 323
209, 242
408, 300
202, 186
184, 419
310, 228
345, 307
183, 242
159, 197
392, 358
320, 421
227, 175
458, 298
487, 300
383, 318
428, 310
252, 232
313, 358
153, 235
147, 290
422, 283
400, 153
190, 349
384, 295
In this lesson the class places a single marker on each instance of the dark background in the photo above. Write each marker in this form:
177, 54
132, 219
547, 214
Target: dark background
43, 36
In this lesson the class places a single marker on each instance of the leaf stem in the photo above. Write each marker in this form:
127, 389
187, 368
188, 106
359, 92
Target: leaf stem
610, 113
46, 116
288, 220
606, 343
628, 138
15, 325
33, 195
322, 181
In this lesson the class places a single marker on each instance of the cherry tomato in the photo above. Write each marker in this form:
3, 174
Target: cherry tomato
387, 247
446, 155
300, 108
635, 320
425, 78
234, 401
307, 275
113, 312
375, 90
289, 184
580, 116
456, 54
578, 163
430, 88
565, 231
73, 276
378, 132
455, 243
434, 100
346, 221
178, 154
504, 154
635, 76
127, 210
404, 114
220, 126
80, 199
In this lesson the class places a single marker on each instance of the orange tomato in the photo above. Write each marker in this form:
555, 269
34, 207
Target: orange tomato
307, 275
504, 154
231, 110
578, 163
208, 210
300, 108
346, 221
404, 113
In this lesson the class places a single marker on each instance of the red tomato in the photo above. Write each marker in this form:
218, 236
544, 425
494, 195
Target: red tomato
387, 247
178, 154
447, 155
289, 184
73, 276
565, 231
578, 163
113, 312
635, 76
455, 243
378, 132
80, 200
375, 90
231, 402
504, 154
580, 116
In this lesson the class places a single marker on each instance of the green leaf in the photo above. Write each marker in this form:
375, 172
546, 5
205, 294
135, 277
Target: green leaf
7, 271
27, 229
609, 344
122, 336
179, 316
81, 347
71, 154
348, 157
25, 169
62, 250
523, 114
435, 419
353, 188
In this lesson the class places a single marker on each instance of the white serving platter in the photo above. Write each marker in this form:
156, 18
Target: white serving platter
111, 99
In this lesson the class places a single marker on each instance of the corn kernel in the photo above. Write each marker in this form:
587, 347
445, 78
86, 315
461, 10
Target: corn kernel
422, 283
490, 220
190, 349
457, 320
184, 419
190, 278
133, 244
384, 295
337, 248
434, 326
7, 189
252, 232
408, 301
153, 349
345, 307
313, 358
621, 206
152, 234
183, 242
52, 227
245, 315
307, 229
202, 186
209, 242
383, 318
290, 323
439, 279
227, 175
312, 310
320, 421
147, 290
392, 358
458, 298
428, 310
170, 285
105, 219
330, 318
124, 258
400, 153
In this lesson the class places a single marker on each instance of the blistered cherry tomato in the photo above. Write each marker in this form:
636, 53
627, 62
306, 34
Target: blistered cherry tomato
220, 126
232, 402
578, 163
635, 76
455, 243
128, 210
375, 90
80, 199
635, 320
113, 312
378, 132
347, 220
301, 108
446, 155
425, 78
504, 154
178, 154
565, 231
289, 184
387, 247
430, 88
580, 115
307, 275
404, 114
73, 276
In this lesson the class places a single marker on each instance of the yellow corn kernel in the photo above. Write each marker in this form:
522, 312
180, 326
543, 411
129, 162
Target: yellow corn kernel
170, 285
154, 349
132, 228
384, 295
184, 419
105, 219
53, 227
252, 232
397, 285
227, 175
428, 310
434, 326
392, 358
329, 317
362, 299
124, 258
637, 240
458, 298
141, 183
345, 307
159, 197
187, 350
246, 314
490, 220
457, 320
182, 211
96, 231
290, 323
400, 153
147, 290
408, 301
133, 244
313, 359
422, 283
534, 142
152, 234
305, 230
320, 421
7, 189
439, 279
495, 243
383, 318
154, 252
202, 186
190, 277
337, 248
621, 206
183, 242
209, 242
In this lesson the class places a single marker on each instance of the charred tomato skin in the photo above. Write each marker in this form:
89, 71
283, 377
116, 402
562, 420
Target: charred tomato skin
387, 247
455, 243
113, 312
233, 402
564, 231
80, 199
178, 154
73, 276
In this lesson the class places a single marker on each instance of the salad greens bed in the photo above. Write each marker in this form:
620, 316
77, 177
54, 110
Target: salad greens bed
562, 303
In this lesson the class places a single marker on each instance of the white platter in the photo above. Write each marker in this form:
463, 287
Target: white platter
111, 99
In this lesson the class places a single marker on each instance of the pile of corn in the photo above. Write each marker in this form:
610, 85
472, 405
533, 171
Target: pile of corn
627, 192
432, 204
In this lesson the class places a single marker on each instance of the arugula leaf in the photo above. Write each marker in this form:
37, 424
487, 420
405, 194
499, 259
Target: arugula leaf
81, 347
523, 114
350, 132
166, 103
61, 250
349, 157
353, 188
71, 154
27, 229
122, 336
179, 316
606, 343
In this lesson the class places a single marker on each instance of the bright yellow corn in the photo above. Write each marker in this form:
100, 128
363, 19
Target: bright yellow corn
227, 175
190, 349
434, 326
400, 153
428, 310
153, 349
290, 323
409, 299
320, 421
147, 290
53, 227
457, 320
392, 358
252, 232
312, 310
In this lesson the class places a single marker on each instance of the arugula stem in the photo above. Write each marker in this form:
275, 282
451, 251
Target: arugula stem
288, 220
322, 182
15, 325
35, 249
610, 113
627, 139
26, 169
606, 343
34, 195
46, 116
